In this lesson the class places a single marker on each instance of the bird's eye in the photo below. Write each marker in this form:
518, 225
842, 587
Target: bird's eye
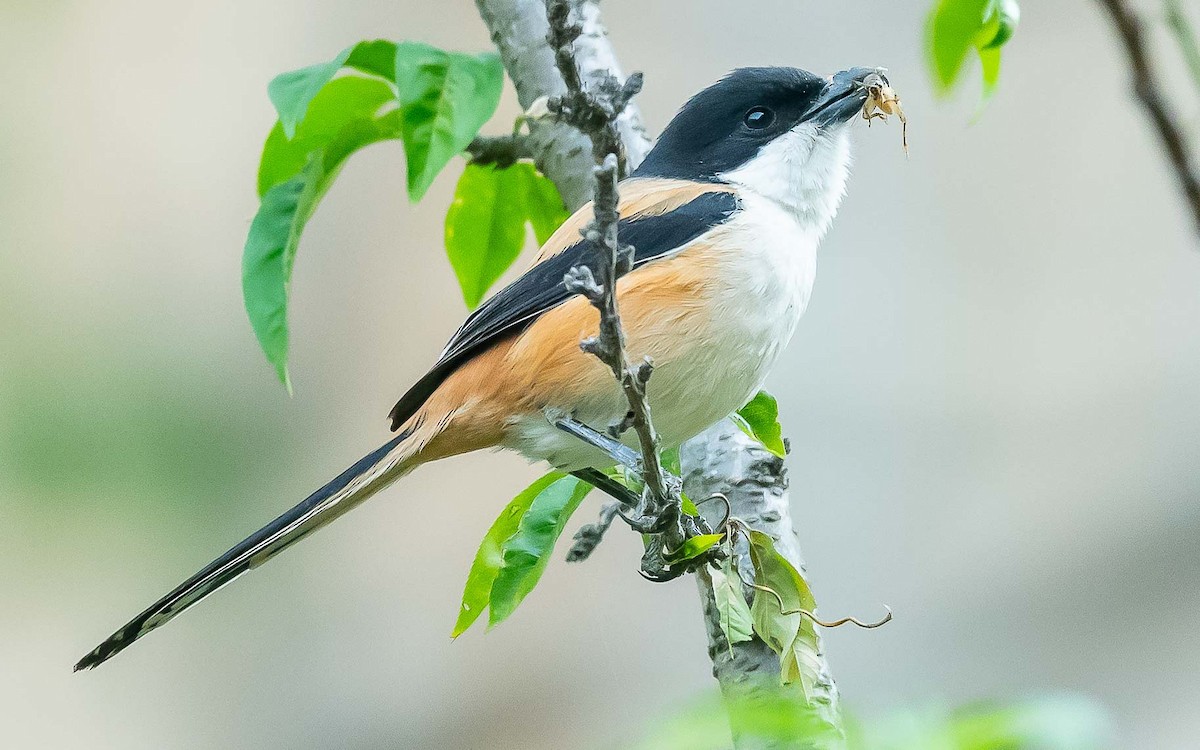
759, 118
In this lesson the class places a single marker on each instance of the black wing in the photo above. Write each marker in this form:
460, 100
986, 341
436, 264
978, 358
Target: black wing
541, 288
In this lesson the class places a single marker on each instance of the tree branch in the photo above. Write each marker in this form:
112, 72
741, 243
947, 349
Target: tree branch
594, 108
614, 489
725, 460
1149, 91
518, 29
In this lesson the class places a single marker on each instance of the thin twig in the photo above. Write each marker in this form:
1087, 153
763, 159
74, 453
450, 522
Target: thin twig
609, 486
806, 613
865, 625
501, 150
594, 110
1149, 91
589, 537
728, 509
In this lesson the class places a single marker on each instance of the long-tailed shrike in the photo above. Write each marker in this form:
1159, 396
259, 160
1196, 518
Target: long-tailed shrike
725, 213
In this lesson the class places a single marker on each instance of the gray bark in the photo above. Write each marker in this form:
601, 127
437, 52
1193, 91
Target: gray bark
725, 460
518, 29
722, 459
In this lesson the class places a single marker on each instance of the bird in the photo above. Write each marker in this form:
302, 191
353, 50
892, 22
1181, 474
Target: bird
725, 214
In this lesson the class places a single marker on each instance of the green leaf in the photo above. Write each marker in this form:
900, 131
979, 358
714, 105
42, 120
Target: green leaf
957, 26
776, 625
1001, 24
733, 613
1061, 722
1180, 25
695, 546
485, 226
789, 633
760, 420
284, 211
545, 206
999, 27
341, 103
689, 508
990, 60
442, 100
758, 718
527, 552
376, 57
953, 27
670, 461
264, 268
446, 98
490, 556
292, 92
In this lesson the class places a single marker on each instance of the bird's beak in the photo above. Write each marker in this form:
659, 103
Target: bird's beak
842, 98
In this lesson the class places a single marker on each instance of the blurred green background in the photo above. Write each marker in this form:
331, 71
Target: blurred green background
992, 400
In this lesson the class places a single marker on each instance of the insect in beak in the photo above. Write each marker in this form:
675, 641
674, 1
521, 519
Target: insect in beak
881, 102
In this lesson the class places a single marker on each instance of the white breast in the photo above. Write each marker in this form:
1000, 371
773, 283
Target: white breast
767, 271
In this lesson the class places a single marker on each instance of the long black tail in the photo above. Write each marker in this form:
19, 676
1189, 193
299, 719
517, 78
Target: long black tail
373, 472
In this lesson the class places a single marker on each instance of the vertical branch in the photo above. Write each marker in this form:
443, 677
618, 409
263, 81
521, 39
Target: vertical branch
725, 460
1149, 91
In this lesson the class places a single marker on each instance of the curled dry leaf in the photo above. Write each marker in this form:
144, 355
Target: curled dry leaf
882, 101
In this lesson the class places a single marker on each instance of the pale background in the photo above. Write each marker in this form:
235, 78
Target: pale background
993, 399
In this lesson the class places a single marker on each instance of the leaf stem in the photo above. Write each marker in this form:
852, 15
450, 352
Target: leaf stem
594, 110
1149, 90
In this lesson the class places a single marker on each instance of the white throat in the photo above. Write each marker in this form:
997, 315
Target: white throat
803, 170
